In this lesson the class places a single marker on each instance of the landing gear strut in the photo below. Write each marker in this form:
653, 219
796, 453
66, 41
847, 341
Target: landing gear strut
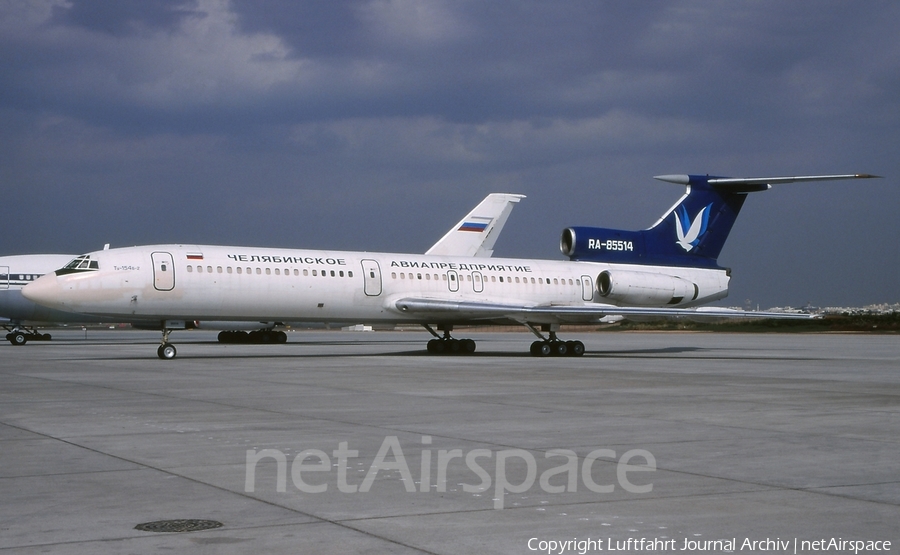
446, 345
553, 346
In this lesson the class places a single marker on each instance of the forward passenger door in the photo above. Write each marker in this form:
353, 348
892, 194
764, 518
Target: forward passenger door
163, 271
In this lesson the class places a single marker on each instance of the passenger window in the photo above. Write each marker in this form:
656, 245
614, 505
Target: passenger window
268, 271
218, 269
190, 269
349, 274
277, 271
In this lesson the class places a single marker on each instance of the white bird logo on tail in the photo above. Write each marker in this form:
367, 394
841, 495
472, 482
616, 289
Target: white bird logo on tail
688, 238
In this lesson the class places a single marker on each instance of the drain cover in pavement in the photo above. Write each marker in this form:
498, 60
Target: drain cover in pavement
183, 525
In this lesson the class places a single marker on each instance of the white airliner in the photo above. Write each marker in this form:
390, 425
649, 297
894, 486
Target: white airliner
662, 271
474, 235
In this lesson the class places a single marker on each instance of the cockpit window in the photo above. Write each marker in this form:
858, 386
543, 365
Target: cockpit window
81, 263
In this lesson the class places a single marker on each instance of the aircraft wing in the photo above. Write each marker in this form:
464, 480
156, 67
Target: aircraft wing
444, 310
476, 234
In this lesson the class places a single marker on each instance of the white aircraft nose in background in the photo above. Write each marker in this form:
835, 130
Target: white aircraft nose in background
46, 291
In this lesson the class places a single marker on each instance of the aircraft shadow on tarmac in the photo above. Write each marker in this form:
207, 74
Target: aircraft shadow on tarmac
300, 349
285, 351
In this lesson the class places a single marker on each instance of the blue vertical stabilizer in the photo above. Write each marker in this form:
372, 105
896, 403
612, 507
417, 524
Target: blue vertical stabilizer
692, 233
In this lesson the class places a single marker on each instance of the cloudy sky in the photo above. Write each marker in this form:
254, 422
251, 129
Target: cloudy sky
376, 124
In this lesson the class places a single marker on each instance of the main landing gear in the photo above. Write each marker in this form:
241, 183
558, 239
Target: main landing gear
21, 335
257, 336
547, 346
446, 345
553, 346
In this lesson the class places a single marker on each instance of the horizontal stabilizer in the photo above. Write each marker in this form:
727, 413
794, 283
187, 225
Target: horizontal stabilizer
748, 184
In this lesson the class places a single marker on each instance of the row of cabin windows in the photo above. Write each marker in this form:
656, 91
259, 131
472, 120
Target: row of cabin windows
494, 279
403, 275
268, 271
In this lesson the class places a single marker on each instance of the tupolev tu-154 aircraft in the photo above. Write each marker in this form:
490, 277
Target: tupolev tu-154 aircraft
666, 270
489, 216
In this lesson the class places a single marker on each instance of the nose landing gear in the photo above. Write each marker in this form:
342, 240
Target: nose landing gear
166, 350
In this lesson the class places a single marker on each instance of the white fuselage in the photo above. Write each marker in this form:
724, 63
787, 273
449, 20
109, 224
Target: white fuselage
188, 282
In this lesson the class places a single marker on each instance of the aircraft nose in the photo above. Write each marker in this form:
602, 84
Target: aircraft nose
45, 291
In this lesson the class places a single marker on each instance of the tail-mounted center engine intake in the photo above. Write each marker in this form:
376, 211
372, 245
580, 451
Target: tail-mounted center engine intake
642, 288
606, 245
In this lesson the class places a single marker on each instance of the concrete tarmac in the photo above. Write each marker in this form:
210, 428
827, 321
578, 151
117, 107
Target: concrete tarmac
362, 443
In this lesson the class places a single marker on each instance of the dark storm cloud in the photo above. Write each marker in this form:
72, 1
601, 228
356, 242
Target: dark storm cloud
124, 17
376, 124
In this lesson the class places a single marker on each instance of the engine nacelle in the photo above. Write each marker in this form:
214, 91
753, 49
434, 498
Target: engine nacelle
645, 289
602, 245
